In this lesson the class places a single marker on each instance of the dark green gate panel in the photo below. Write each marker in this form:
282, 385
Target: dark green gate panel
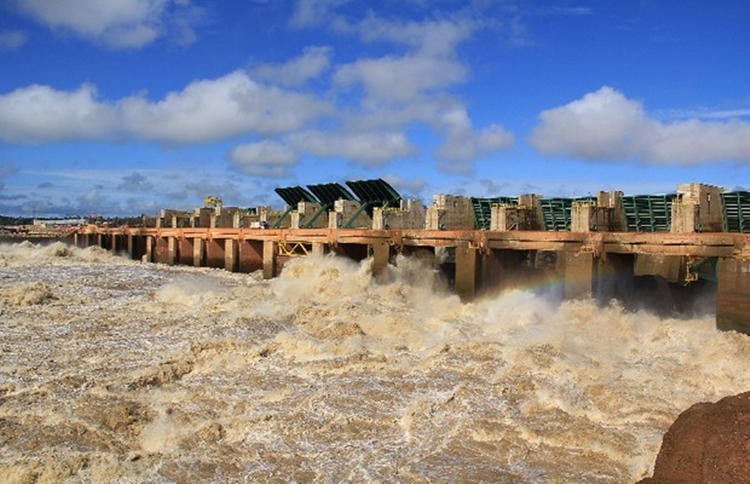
328, 193
483, 209
648, 213
736, 211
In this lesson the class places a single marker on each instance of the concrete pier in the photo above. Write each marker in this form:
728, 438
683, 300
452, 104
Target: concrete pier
601, 265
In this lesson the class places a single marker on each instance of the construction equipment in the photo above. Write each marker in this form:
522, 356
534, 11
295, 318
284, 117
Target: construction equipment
212, 202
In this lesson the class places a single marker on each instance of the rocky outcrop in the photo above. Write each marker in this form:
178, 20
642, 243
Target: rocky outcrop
709, 443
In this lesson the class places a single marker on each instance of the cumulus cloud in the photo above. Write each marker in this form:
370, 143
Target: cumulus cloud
206, 110
265, 158
211, 110
297, 71
431, 38
462, 144
607, 126
400, 78
40, 113
372, 148
115, 23
313, 12
12, 39
413, 86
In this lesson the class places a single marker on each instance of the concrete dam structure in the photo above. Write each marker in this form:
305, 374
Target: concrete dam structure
670, 249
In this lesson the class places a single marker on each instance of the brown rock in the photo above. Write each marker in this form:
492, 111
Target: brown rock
709, 443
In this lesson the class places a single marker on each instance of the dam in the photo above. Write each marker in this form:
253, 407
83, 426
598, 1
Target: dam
603, 247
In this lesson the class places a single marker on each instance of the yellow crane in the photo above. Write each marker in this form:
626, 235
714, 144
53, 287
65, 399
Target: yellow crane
212, 202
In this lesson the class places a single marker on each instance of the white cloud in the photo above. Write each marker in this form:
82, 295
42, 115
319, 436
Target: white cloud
432, 38
115, 23
40, 113
401, 89
370, 148
401, 78
462, 146
12, 39
605, 125
297, 71
207, 110
313, 12
211, 110
266, 158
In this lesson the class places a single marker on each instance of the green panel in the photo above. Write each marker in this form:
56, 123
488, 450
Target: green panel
736, 206
328, 193
374, 191
293, 195
483, 209
556, 212
648, 213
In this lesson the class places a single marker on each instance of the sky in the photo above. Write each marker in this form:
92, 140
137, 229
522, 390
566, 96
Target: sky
128, 107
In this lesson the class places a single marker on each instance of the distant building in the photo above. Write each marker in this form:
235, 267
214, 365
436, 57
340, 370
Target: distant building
47, 223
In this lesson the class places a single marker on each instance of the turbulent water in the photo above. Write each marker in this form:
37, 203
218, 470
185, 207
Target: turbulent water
117, 371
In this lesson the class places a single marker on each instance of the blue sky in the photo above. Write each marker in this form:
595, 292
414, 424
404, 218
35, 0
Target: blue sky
126, 107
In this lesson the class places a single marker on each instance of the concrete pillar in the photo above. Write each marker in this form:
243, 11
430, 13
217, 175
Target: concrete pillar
231, 258
251, 255
318, 248
270, 247
381, 256
171, 250
732, 301
466, 272
198, 251
149, 249
578, 272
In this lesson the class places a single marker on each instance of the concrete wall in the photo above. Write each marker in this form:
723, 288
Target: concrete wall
304, 213
512, 218
173, 218
450, 212
343, 211
697, 208
410, 215
202, 217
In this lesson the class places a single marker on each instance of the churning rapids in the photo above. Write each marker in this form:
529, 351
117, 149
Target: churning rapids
116, 371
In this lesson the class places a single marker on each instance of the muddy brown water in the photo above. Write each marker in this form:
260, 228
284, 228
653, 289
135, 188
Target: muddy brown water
117, 371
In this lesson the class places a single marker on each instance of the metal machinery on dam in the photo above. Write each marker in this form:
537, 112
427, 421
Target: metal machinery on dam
607, 246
